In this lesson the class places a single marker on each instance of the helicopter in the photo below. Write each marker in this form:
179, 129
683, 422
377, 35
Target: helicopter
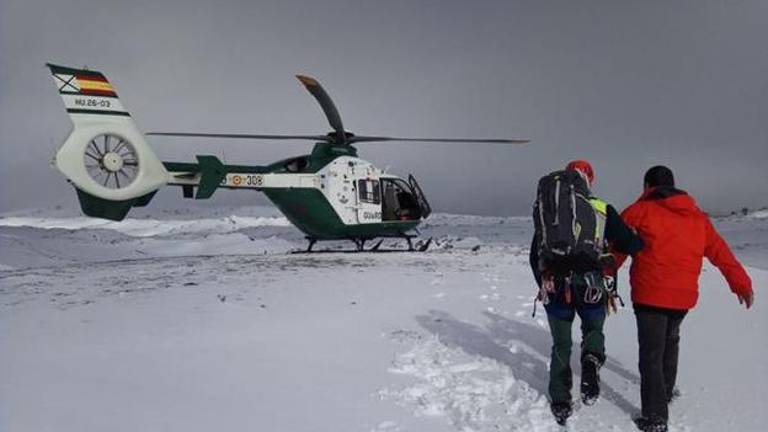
329, 194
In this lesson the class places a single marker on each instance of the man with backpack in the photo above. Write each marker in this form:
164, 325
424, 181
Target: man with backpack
664, 278
575, 273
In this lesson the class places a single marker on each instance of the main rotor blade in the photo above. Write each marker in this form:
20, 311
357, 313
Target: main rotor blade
363, 138
326, 103
325, 138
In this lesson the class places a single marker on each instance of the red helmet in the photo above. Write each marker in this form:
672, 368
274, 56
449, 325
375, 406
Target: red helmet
584, 167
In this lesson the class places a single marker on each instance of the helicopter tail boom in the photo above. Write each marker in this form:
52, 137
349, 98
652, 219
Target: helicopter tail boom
200, 180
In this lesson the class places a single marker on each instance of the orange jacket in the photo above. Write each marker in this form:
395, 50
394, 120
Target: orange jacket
677, 236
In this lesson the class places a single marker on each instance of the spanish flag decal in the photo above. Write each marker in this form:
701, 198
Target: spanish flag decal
81, 82
86, 92
95, 85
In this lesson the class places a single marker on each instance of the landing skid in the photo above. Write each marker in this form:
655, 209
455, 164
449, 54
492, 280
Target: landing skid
360, 246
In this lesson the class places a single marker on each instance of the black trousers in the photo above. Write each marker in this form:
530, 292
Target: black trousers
658, 334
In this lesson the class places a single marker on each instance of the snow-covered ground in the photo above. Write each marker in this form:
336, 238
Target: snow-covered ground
195, 321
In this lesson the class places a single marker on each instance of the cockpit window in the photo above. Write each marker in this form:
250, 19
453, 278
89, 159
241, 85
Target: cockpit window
369, 191
296, 165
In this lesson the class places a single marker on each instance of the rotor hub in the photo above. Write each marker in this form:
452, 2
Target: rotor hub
112, 162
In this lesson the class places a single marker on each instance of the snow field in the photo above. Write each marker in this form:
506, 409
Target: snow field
154, 327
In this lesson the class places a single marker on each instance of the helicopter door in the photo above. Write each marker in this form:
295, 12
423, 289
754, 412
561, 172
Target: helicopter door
426, 210
368, 201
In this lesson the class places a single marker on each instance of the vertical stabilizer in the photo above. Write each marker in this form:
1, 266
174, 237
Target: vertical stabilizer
105, 156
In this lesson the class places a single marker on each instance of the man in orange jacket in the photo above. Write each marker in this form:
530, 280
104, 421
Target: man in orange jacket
664, 278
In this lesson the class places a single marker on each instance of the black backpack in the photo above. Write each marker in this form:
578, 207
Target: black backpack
568, 227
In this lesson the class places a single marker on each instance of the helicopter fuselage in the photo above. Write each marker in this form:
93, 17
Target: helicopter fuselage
326, 196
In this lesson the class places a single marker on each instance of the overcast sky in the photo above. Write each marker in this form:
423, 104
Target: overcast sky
624, 84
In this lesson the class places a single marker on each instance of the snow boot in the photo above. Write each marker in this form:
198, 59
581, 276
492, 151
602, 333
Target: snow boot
650, 425
590, 378
561, 411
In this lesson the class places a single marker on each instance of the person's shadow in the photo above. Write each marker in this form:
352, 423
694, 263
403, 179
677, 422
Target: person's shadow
488, 342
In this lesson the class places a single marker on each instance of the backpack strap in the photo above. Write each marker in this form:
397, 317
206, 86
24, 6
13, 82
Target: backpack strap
557, 202
573, 211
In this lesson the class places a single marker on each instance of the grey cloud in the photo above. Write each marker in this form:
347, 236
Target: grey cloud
624, 84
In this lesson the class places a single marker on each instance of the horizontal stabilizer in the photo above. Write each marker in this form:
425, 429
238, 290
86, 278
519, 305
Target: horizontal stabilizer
212, 173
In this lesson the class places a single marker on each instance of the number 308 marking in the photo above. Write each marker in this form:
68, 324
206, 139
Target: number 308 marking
254, 180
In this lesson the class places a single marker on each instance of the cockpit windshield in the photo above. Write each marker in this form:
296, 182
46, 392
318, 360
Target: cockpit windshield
399, 202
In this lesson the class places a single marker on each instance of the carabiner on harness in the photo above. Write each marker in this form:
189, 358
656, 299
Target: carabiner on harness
594, 291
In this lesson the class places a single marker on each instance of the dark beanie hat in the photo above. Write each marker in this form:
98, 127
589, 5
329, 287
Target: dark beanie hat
659, 176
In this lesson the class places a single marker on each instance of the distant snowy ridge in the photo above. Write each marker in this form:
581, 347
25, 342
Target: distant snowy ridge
442, 219
166, 224
147, 227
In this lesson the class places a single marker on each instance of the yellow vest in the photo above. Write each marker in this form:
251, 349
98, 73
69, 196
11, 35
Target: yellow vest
599, 205
600, 219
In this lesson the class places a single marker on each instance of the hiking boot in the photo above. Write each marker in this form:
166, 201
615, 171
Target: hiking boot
651, 425
590, 378
561, 411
